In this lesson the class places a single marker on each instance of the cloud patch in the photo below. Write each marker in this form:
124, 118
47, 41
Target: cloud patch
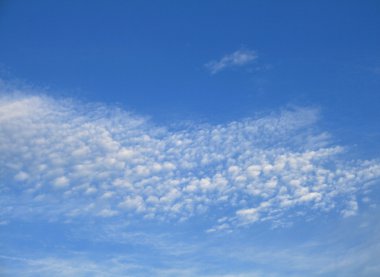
236, 59
66, 160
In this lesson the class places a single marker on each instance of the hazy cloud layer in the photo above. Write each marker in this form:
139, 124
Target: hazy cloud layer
65, 160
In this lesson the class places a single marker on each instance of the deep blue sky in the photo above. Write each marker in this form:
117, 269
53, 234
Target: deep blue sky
149, 55
312, 70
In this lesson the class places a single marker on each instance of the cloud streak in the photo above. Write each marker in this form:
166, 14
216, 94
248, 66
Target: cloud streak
236, 59
65, 160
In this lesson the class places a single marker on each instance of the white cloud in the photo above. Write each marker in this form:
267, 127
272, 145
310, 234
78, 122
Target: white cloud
107, 213
61, 182
21, 176
238, 58
351, 209
107, 162
66, 267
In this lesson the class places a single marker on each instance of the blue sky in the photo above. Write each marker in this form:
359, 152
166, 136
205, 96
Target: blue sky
192, 138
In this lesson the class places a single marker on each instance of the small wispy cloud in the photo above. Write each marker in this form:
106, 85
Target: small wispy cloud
238, 58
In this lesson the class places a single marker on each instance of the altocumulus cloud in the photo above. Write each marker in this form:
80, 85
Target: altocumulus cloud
65, 160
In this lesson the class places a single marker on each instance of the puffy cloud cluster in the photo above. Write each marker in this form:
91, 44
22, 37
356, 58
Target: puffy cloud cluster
64, 159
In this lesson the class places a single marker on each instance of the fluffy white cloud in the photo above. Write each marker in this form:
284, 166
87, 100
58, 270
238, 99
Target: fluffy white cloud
64, 159
238, 58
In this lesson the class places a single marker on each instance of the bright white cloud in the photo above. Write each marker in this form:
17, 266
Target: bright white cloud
66, 160
238, 58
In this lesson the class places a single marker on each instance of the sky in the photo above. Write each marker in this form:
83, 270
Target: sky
189, 138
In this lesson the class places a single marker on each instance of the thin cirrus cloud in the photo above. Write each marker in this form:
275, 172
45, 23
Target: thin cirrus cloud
65, 160
236, 59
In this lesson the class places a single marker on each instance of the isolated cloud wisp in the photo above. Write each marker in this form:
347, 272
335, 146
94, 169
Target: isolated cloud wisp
238, 58
66, 160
